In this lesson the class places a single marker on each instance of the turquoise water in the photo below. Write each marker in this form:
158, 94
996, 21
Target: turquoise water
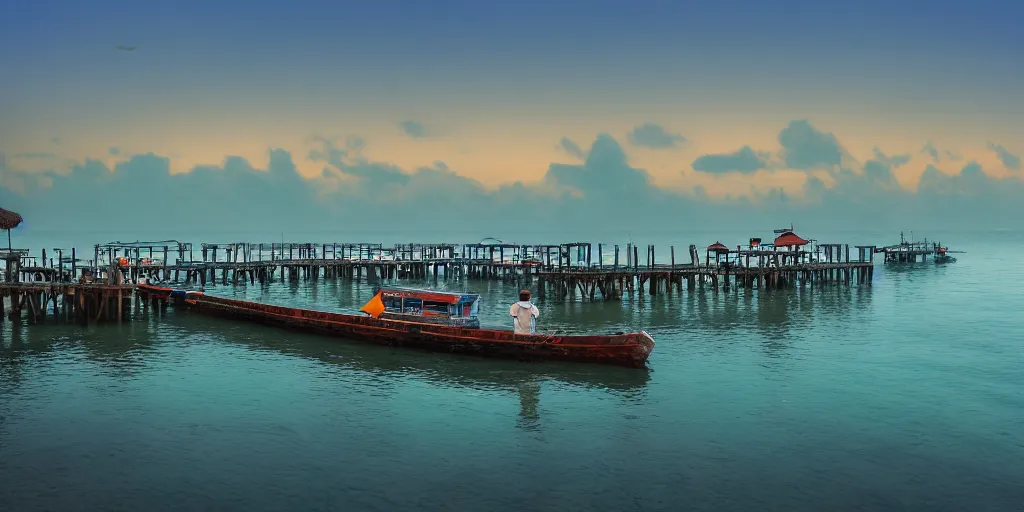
905, 395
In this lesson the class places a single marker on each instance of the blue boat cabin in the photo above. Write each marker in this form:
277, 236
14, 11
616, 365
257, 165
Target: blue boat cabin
445, 308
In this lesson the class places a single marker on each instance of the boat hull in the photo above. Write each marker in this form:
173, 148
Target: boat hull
627, 349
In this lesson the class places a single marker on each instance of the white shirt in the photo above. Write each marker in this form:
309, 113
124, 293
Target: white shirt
524, 315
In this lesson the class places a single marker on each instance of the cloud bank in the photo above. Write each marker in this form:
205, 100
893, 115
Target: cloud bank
1010, 160
745, 160
414, 129
654, 136
602, 192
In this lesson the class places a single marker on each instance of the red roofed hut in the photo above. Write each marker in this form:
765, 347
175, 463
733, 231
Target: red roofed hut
789, 239
718, 249
8, 221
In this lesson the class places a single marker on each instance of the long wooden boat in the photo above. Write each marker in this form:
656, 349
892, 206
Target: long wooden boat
622, 349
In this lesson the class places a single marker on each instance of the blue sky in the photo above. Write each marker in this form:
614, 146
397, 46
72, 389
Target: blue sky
490, 91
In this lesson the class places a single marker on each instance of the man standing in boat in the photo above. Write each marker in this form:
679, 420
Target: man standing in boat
524, 314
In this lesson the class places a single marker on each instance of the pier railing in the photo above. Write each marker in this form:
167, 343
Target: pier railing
171, 260
102, 286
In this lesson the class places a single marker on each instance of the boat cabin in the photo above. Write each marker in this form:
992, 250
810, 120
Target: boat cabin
446, 308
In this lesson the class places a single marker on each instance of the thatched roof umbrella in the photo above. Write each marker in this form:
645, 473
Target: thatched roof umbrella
718, 247
8, 221
789, 239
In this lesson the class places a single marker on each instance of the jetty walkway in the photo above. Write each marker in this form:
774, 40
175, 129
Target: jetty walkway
101, 287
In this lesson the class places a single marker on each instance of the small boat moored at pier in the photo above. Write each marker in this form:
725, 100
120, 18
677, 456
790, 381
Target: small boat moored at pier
621, 349
942, 256
427, 306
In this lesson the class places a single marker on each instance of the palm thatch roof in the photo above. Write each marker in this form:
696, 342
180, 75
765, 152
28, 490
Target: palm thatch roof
9, 220
718, 247
789, 239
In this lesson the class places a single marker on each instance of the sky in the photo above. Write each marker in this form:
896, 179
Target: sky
483, 116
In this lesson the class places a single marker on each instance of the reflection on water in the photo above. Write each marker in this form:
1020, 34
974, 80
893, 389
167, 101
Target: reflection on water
529, 398
381, 362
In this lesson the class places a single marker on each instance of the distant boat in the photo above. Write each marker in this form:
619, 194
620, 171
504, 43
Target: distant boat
942, 256
911, 251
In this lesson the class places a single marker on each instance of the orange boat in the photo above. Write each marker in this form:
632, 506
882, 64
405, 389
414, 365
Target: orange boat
622, 349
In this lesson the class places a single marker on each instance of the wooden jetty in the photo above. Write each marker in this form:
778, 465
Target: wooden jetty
783, 263
33, 287
911, 251
559, 271
71, 302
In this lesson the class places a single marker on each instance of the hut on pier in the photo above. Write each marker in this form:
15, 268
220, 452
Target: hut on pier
792, 245
8, 221
718, 250
12, 258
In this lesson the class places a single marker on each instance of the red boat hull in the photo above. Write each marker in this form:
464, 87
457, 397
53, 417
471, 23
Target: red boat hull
630, 349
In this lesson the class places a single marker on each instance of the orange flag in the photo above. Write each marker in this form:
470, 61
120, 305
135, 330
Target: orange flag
375, 307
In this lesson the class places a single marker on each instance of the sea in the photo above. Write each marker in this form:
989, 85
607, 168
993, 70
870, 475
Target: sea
904, 394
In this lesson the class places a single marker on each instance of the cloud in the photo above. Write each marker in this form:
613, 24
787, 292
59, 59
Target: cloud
572, 148
654, 136
938, 156
744, 161
894, 161
114, 151
348, 162
805, 147
603, 197
414, 129
605, 171
235, 194
930, 150
1010, 160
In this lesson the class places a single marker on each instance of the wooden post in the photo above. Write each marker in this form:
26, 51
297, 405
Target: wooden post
111, 266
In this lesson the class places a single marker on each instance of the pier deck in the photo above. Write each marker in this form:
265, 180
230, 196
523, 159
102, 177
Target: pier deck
101, 288
69, 301
612, 283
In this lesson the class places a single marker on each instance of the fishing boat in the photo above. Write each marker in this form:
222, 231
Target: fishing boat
621, 349
942, 256
432, 307
911, 251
